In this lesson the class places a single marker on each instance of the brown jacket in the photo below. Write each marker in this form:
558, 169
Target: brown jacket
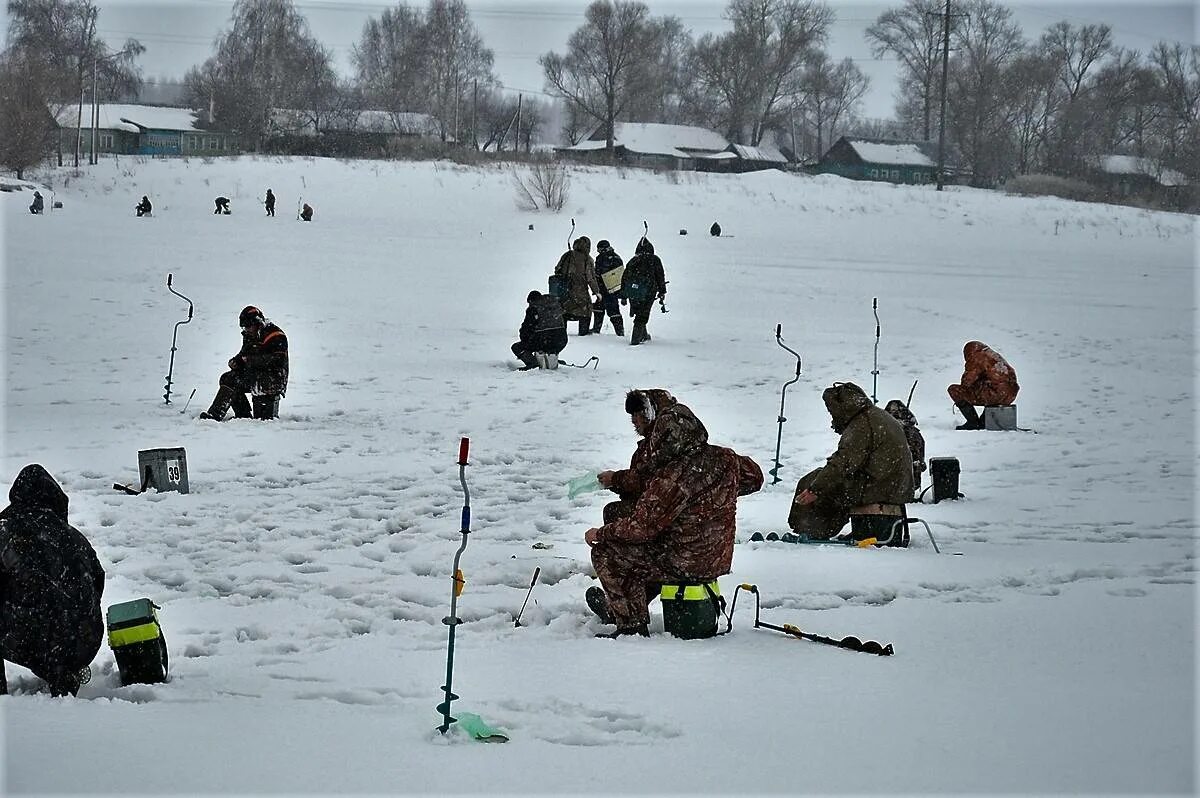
577, 267
872, 462
987, 377
687, 507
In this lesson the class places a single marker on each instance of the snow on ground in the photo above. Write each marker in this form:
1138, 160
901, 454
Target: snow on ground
304, 579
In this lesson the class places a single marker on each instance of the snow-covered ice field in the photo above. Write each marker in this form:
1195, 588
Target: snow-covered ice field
304, 579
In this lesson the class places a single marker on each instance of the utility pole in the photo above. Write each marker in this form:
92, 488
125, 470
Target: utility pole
475, 113
94, 116
941, 164
517, 148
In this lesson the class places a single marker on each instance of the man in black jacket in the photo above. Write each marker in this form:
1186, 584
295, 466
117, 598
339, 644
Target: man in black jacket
543, 330
51, 583
609, 268
259, 368
642, 283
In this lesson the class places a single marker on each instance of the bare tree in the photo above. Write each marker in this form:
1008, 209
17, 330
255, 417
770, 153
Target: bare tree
1177, 69
389, 61
663, 98
454, 58
980, 99
60, 36
913, 33
262, 63
750, 70
605, 64
1075, 52
829, 94
26, 129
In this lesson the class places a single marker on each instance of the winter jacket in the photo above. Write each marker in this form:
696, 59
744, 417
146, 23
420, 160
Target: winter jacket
270, 201
688, 506
264, 358
987, 377
872, 462
544, 328
579, 271
916, 441
144, 207
51, 582
609, 270
644, 278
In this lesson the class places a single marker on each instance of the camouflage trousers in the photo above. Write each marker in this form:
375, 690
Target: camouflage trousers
632, 574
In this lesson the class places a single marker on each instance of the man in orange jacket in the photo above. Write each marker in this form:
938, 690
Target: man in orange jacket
987, 380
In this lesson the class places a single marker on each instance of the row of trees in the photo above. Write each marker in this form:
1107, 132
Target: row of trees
1054, 104
1014, 106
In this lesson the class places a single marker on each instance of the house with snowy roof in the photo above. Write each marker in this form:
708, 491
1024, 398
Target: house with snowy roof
890, 160
1127, 176
128, 129
649, 144
743, 158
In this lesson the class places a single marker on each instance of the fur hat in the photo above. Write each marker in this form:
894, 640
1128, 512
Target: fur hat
639, 402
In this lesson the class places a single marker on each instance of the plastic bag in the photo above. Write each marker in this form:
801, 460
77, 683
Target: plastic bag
583, 484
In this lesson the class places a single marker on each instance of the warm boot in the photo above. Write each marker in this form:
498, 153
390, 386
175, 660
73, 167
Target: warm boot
618, 324
972, 418
638, 335
220, 404
597, 320
585, 326
598, 603
241, 405
265, 407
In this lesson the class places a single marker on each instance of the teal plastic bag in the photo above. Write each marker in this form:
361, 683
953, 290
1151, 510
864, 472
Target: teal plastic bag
582, 484
478, 729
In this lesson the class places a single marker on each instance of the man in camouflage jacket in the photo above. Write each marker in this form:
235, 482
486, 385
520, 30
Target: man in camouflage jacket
872, 465
987, 379
677, 513
576, 272
260, 368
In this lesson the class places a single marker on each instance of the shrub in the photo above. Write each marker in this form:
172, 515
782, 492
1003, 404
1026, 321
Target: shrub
546, 185
1051, 186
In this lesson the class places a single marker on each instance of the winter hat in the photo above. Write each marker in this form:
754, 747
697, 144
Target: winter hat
639, 402
644, 247
603, 244
533, 295
250, 315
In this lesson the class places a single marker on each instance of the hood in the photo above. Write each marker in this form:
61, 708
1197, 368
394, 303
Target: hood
651, 401
35, 488
899, 411
644, 247
972, 348
844, 400
582, 244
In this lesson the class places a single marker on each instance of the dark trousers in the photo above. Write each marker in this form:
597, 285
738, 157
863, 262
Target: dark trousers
631, 574
271, 210
553, 342
234, 385
640, 310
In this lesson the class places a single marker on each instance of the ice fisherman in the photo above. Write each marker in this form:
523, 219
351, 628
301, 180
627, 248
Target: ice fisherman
222, 205
642, 283
609, 268
676, 513
544, 330
144, 207
987, 380
51, 583
260, 368
38, 204
575, 274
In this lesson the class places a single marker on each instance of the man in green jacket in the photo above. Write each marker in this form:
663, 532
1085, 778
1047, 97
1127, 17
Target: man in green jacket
872, 465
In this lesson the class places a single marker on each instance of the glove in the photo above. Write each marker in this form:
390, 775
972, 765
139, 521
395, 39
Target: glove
624, 301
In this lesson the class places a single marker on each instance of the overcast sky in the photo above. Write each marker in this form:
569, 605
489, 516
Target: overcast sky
179, 33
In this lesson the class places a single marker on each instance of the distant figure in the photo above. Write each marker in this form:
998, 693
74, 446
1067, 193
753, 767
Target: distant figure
987, 380
38, 205
259, 368
222, 205
715, 230
270, 202
50, 586
916, 441
306, 213
642, 283
543, 330
144, 207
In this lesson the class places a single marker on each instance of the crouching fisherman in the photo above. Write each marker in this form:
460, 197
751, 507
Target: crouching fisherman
51, 583
676, 520
259, 368
544, 330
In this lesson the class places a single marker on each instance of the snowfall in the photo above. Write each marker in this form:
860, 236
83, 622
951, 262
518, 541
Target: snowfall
1050, 647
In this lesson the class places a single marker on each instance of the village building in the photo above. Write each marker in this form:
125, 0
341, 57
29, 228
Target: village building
127, 129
